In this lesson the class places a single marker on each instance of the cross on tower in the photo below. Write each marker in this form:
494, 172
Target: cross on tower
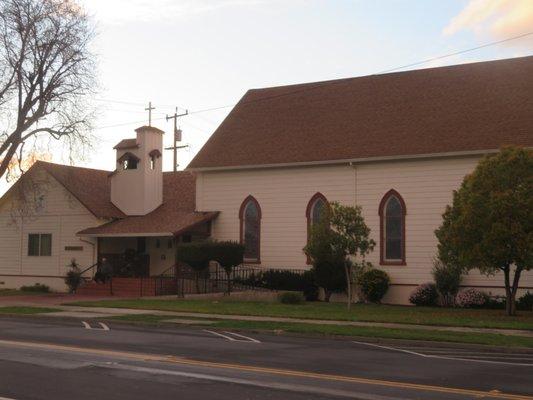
149, 109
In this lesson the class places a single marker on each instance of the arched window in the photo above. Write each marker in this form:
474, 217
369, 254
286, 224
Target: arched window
250, 221
314, 212
392, 229
128, 160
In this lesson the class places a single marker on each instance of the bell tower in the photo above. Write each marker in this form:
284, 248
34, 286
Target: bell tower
137, 182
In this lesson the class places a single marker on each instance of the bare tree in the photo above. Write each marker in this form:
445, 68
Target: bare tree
47, 75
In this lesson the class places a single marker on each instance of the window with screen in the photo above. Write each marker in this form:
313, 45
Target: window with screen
40, 244
250, 221
392, 216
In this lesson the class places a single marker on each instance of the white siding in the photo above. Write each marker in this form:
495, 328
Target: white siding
62, 216
283, 194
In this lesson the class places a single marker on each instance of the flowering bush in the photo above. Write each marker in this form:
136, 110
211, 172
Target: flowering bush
471, 298
424, 295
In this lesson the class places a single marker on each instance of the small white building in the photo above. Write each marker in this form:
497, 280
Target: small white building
56, 213
395, 144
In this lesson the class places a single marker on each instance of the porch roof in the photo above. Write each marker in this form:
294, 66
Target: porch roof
160, 222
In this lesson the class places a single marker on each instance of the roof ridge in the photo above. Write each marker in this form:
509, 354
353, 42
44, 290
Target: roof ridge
380, 74
69, 166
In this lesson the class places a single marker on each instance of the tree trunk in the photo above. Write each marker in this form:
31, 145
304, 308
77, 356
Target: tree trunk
327, 295
228, 274
348, 284
197, 279
511, 289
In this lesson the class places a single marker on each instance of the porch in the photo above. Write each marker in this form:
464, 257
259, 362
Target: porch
136, 255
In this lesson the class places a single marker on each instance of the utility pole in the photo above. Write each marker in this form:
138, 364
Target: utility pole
149, 109
177, 137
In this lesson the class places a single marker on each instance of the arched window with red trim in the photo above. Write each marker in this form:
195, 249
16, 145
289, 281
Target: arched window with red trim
314, 212
250, 229
392, 212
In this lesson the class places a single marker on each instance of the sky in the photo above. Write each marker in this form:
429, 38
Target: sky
204, 54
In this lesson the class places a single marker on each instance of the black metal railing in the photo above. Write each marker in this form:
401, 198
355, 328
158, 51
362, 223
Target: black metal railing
166, 283
183, 280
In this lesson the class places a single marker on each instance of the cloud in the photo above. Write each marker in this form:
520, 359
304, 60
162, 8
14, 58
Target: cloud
120, 11
498, 18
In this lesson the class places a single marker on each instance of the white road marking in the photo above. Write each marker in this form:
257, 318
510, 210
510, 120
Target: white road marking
221, 335
244, 337
104, 326
240, 338
443, 357
6, 398
86, 325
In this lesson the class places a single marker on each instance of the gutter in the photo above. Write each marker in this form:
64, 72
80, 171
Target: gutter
350, 161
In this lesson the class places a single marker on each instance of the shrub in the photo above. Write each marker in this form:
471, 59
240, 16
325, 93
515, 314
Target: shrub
309, 288
358, 270
447, 282
228, 255
471, 298
525, 302
329, 274
328, 264
494, 302
291, 298
424, 295
195, 254
374, 284
283, 279
39, 288
73, 278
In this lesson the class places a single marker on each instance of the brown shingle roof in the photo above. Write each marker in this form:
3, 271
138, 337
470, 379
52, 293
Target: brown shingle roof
126, 144
176, 214
90, 186
469, 107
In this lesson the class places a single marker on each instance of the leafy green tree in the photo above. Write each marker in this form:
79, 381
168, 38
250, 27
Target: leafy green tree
351, 239
339, 240
489, 225
328, 266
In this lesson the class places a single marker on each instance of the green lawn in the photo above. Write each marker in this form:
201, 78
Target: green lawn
26, 310
333, 311
339, 330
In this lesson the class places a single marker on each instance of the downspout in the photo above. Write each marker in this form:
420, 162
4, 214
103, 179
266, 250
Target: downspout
353, 165
93, 246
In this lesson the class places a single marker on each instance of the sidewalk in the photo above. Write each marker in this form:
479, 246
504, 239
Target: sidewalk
104, 312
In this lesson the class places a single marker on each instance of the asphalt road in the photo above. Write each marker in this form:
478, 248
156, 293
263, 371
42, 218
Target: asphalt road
52, 359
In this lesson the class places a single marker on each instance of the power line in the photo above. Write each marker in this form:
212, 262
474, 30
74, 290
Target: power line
320, 84
127, 123
457, 53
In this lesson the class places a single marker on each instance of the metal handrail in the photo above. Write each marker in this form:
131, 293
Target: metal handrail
89, 268
165, 272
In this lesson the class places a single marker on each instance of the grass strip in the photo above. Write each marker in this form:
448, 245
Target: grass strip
355, 331
16, 292
433, 316
26, 310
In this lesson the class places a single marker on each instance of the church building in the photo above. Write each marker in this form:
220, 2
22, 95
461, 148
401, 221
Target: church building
395, 144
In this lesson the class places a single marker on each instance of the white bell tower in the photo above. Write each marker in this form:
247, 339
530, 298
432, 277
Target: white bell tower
137, 182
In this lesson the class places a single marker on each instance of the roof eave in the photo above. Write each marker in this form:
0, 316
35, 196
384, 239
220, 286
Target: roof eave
140, 234
348, 160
